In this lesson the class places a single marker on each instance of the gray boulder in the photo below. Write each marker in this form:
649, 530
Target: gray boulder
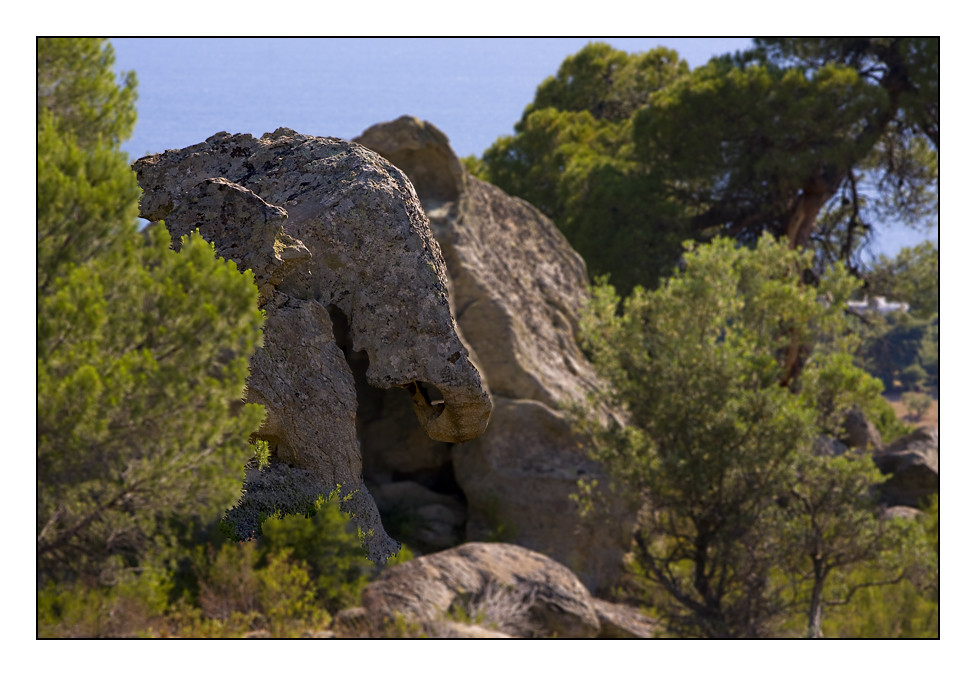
497, 586
621, 621
486, 590
859, 432
433, 521
346, 266
913, 463
517, 285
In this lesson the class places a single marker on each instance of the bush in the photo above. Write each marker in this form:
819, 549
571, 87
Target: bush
133, 607
328, 543
912, 377
917, 403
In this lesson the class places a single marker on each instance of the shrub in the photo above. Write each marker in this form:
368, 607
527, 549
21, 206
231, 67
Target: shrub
917, 403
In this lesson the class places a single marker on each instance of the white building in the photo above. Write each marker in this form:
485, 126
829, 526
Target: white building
878, 304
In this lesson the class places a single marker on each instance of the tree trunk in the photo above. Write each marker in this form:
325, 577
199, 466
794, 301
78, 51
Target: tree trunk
802, 216
815, 617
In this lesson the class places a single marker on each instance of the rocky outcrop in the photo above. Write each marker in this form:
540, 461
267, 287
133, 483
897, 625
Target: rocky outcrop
486, 589
621, 621
519, 477
859, 432
517, 288
913, 463
517, 284
349, 276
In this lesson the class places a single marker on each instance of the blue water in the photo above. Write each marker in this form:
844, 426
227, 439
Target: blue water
474, 89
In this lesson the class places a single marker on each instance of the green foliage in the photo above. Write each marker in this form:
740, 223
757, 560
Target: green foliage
76, 82
328, 543
903, 348
274, 592
86, 193
834, 540
908, 609
474, 165
287, 584
889, 425
86, 201
917, 404
572, 158
142, 357
740, 171
814, 140
608, 83
133, 606
718, 441
912, 277
142, 352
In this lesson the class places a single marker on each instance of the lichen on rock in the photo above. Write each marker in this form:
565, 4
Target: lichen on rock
334, 234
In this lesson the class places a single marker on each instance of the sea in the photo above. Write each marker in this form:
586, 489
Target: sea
473, 89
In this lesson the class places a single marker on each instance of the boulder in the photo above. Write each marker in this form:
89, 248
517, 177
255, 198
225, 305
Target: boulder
519, 478
426, 520
828, 446
900, 511
348, 271
859, 432
496, 587
621, 621
517, 288
517, 285
913, 463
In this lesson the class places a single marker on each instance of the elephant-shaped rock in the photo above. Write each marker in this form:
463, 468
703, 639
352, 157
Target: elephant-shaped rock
345, 262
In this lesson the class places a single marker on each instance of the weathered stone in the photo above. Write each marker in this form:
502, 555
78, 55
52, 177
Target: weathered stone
351, 623
828, 446
913, 463
517, 284
436, 173
396, 446
425, 520
502, 587
517, 289
468, 631
900, 511
859, 432
339, 245
518, 478
620, 621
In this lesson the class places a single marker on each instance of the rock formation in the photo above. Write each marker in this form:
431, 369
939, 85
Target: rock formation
486, 590
350, 277
859, 432
913, 463
516, 289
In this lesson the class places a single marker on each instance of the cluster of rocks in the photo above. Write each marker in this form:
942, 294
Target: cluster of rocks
440, 283
910, 463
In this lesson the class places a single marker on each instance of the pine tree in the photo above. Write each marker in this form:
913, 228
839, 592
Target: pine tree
142, 352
